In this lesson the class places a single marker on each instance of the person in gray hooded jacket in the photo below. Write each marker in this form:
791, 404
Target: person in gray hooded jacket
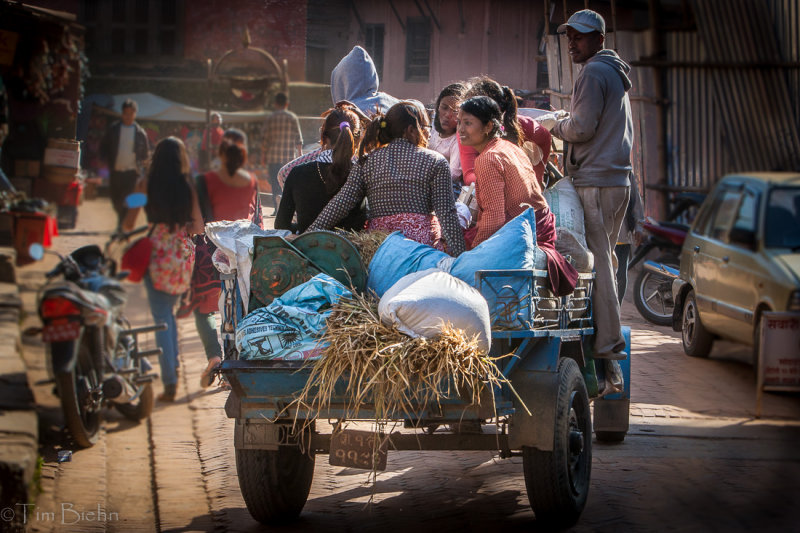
355, 79
599, 130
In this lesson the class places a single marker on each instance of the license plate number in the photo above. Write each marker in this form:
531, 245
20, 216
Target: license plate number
63, 331
358, 449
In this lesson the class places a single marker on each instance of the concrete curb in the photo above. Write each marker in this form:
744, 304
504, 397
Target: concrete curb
19, 431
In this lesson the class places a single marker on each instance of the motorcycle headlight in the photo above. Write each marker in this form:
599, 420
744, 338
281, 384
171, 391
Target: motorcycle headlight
794, 301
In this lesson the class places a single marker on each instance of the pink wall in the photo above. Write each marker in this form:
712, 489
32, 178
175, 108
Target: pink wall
278, 26
500, 40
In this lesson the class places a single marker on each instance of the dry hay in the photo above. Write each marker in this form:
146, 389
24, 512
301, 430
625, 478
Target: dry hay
367, 243
389, 371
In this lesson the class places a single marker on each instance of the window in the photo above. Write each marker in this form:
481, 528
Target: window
726, 213
141, 28
746, 217
373, 44
418, 49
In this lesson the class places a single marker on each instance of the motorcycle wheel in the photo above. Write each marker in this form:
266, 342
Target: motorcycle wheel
74, 389
142, 408
653, 294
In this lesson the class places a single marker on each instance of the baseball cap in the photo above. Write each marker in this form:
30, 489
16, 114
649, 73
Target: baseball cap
584, 21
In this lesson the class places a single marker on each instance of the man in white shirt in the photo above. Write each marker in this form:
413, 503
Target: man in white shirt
125, 149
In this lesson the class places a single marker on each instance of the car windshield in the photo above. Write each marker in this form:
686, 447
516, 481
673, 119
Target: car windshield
782, 228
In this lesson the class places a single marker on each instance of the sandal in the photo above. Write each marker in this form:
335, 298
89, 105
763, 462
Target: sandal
208, 375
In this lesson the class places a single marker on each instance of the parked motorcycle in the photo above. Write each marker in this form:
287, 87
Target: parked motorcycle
92, 350
653, 286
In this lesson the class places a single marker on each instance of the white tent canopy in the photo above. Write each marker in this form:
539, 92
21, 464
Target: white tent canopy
153, 107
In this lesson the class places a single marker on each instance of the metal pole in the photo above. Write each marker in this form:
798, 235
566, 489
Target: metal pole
546, 19
614, 22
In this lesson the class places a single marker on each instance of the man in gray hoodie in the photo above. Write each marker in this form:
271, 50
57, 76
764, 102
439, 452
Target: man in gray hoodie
599, 130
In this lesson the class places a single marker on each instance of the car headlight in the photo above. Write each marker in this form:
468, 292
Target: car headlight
794, 301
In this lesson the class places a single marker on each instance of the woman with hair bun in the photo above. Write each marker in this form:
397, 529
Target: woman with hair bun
515, 128
408, 187
506, 185
229, 193
310, 186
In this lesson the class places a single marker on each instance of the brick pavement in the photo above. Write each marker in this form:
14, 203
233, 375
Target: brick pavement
694, 460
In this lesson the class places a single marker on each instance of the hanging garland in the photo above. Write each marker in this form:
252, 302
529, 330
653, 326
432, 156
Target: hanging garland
48, 72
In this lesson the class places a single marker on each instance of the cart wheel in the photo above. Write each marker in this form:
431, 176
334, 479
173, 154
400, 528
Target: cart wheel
275, 484
558, 481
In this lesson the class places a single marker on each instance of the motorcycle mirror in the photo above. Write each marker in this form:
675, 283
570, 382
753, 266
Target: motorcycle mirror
36, 251
137, 199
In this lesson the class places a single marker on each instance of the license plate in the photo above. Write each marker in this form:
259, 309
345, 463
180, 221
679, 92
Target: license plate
61, 331
358, 449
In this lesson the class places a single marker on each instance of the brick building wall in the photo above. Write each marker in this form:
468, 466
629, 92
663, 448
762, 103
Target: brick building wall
212, 27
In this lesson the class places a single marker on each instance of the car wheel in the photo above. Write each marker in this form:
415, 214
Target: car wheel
697, 341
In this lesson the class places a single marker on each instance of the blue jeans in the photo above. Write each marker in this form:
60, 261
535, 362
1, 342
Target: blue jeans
162, 307
207, 330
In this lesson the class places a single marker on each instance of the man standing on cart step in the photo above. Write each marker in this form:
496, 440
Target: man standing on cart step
599, 130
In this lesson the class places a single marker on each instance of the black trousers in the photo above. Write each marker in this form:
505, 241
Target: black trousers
623, 252
121, 184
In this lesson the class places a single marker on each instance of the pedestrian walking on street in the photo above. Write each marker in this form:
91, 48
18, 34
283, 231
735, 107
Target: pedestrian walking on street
599, 130
125, 149
282, 142
173, 213
209, 150
230, 193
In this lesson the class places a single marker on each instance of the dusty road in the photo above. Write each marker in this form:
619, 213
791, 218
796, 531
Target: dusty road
695, 458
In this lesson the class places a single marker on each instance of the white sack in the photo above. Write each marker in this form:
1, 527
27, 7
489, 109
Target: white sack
566, 205
421, 303
235, 239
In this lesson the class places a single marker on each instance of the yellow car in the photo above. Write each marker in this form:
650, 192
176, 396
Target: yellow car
740, 258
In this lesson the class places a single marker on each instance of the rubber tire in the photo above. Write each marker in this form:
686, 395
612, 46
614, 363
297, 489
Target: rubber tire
698, 341
142, 408
84, 427
555, 500
610, 436
275, 484
638, 299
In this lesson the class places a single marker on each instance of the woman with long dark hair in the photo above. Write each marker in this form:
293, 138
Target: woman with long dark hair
174, 216
408, 187
506, 185
515, 128
310, 186
443, 136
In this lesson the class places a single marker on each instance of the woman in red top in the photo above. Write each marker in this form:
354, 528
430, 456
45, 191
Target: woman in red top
230, 193
506, 185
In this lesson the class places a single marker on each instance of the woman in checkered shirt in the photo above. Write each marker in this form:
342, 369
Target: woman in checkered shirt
506, 185
408, 187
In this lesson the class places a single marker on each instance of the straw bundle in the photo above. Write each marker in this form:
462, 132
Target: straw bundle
392, 372
367, 243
